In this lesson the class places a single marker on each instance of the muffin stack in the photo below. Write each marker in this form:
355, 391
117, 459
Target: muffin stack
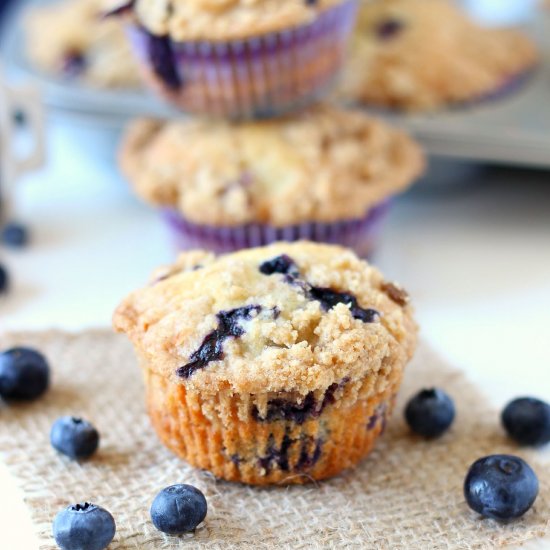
265, 161
279, 363
240, 59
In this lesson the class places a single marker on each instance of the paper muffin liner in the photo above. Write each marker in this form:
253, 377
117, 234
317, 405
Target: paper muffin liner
509, 86
258, 77
360, 234
269, 439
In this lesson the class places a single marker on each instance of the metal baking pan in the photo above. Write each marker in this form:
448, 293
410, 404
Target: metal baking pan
513, 129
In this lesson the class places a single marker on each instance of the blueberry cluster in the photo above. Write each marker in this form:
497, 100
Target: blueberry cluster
502, 487
25, 376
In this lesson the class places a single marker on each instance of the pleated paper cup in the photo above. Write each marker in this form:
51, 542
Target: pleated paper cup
259, 77
359, 234
272, 438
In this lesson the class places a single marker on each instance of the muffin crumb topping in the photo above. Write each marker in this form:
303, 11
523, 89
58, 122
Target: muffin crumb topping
320, 318
324, 165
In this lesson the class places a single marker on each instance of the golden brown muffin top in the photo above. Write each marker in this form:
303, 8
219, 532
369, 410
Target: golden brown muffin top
290, 317
325, 165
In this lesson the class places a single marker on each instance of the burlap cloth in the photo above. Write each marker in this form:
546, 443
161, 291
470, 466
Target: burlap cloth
407, 494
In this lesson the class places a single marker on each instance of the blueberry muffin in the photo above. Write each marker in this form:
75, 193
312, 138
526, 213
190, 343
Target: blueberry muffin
427, 54
325, 175
239, 58
271, 365
70, 39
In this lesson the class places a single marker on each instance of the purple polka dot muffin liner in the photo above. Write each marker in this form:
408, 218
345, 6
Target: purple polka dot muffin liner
259, 77
360, 234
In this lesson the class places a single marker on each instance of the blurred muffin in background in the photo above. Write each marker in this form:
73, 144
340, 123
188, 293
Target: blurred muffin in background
239, 58
325, 175
71, 39
427, 54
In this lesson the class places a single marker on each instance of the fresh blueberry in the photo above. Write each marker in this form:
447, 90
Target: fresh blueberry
4, 279
15, 235
74, 437
501, 487
178, 509
24, 374
527, 421
83, 527
430, 413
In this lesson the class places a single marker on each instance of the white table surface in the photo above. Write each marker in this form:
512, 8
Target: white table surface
472, 246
